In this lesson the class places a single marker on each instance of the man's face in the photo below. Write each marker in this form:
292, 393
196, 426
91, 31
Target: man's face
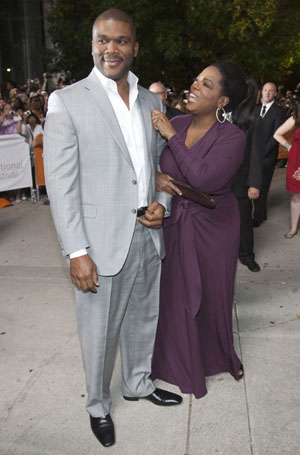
113, 48
160, 90
269, 92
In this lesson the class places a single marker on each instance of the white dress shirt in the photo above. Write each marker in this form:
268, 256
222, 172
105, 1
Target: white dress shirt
267, 107
132, 129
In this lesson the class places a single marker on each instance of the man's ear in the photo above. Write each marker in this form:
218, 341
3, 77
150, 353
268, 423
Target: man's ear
136, 49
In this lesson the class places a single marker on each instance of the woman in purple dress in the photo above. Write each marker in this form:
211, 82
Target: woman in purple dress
194, 335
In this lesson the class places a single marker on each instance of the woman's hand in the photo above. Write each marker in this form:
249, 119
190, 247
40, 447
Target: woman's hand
162, 124
296, 174
164, 183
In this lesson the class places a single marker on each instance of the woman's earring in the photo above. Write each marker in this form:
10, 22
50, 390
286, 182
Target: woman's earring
223, 114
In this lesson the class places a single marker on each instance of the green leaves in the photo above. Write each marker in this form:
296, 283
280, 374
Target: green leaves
179, 38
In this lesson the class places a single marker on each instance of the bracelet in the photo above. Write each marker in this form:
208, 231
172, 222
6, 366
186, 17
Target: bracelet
287, 145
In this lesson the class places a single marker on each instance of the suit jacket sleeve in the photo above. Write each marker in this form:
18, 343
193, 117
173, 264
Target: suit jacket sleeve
256, 166
61, 157
279, 119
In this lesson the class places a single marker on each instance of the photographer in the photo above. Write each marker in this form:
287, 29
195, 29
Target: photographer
9, 122
49, 84
32, 128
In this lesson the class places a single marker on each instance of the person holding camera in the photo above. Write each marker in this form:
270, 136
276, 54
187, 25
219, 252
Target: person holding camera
9, 122
32, 129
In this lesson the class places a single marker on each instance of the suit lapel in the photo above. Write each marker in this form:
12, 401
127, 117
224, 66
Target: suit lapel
146, 117
98, 97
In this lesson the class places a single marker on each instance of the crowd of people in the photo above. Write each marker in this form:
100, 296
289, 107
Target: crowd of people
23, 110
124, 203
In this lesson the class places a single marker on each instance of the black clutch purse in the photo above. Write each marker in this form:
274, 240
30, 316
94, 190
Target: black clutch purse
192, 194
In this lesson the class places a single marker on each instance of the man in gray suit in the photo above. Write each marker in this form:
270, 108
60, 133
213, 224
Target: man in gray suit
101, 154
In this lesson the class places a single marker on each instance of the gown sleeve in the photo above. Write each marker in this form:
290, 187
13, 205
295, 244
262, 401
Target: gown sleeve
212, 169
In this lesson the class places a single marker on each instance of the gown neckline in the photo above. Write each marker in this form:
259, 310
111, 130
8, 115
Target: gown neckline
184, 131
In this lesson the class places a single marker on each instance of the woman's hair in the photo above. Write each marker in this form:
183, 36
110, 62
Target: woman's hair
296, 116
242, 94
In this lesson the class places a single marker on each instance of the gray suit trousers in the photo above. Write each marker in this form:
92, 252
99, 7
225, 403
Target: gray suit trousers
125, 308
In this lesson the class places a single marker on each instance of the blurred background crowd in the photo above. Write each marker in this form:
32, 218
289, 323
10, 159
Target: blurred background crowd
19, 102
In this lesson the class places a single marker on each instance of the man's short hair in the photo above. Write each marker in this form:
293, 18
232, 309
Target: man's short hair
117, 15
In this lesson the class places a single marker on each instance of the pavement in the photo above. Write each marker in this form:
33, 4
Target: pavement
42, 388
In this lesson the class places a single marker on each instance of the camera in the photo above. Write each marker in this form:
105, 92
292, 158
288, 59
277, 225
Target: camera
27, 113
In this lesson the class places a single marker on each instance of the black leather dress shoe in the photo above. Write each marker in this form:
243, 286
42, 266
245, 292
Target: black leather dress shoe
159, 397
103, 429
251, 264
256, 223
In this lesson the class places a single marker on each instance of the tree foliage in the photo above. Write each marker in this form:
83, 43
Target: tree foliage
179, 38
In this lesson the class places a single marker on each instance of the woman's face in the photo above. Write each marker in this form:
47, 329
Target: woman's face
35, 103
7, 109
24, 98
32, 121
206, 93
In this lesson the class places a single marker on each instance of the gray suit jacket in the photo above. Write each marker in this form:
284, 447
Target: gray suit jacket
90, 177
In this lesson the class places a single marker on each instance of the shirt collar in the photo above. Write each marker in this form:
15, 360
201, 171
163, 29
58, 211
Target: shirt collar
110, 84
268, 105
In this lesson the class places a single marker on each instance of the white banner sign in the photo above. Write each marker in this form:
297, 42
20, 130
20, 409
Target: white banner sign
15, 166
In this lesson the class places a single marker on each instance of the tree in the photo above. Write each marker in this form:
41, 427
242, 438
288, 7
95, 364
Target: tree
180, 38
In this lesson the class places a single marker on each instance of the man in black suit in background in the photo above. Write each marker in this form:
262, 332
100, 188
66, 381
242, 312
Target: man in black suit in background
272, 116
161, 91
246, 186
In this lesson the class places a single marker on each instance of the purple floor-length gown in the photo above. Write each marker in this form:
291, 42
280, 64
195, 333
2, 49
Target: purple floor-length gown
194, 336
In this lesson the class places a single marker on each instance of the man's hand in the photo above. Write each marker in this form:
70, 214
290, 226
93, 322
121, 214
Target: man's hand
253, 193
164, 183
154, 216
83, 271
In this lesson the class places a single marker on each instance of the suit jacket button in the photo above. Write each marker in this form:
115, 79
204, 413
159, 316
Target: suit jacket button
133, 211
134, 182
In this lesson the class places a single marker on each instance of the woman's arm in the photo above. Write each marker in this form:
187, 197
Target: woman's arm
210, 174
214, 171
36, 142
19, 127
287, 126
2, 117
